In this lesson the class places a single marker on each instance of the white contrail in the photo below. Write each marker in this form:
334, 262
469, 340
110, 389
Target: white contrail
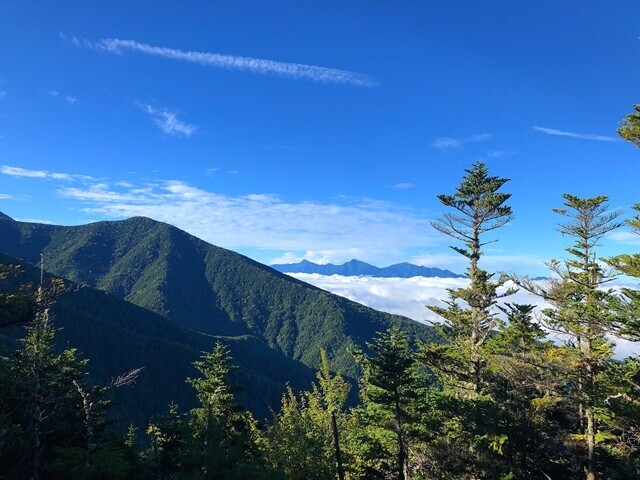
584, 136
232, 62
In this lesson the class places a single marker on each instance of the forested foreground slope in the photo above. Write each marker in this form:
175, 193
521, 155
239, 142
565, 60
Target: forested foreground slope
117, 336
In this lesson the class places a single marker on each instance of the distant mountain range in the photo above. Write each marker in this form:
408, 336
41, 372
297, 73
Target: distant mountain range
156, 297
355, 268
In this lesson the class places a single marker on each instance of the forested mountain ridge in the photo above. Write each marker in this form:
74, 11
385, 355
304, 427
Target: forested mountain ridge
354, 268
117, 336
203, 287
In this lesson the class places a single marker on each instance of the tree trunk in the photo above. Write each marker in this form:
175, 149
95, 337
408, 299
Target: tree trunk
590, 467
336, 439
402, 454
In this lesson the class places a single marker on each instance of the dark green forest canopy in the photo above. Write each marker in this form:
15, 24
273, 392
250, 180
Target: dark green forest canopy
117, 336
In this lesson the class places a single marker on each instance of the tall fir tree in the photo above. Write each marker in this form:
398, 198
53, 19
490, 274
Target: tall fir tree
389, 388
224, 431
584, 314
479, 208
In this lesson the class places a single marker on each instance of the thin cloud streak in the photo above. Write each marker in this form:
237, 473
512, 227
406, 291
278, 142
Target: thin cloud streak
584, 136
232, 62
448, 142
168, 121
26, 173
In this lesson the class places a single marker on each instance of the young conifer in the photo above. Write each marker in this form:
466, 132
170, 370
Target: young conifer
479, 208
584, 313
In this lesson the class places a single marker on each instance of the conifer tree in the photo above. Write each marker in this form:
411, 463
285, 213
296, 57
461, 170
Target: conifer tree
584, 312
630, 127
224, 430
51, 420
41, 398
389, 387
479, 208
528, 383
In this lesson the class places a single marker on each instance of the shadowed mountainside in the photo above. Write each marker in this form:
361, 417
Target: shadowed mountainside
118, 336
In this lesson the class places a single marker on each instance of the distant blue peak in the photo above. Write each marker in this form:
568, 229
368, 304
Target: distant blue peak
356, 267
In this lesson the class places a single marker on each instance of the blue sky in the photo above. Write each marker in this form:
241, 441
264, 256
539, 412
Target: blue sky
323, 130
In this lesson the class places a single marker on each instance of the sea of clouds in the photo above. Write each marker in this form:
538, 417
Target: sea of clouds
410, 296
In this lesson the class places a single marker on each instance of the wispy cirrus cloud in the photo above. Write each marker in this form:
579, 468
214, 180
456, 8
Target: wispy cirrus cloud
449, 142
628, 238
584, 136
27, 173
233, 62
499, 153
404, 186
168, 121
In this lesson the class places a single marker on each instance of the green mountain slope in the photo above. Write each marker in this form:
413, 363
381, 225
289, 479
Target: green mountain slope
118, 336
203, 287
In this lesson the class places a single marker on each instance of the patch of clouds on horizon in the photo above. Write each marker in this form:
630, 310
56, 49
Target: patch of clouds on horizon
231, 62
168, 121
404, 186
402, 296
449, 142
6, 196
44, 174
410, 296
263, 221
584, 136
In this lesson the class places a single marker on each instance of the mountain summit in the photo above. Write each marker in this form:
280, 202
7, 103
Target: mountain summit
354, 268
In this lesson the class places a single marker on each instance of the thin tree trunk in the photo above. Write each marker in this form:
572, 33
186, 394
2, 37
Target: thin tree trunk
590, 467
336, 439
590, 433
402, 454
474, 360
